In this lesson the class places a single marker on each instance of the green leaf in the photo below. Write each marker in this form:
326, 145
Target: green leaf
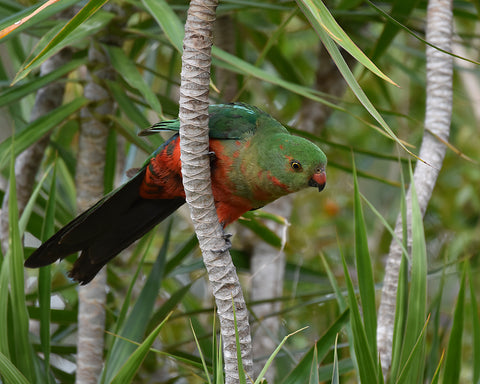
126, 68
313, 378
323, 22
416, 355
44, 277
453, 358
275, 353
476, 327
38, 128
131, 366
241, 370
17, 92
401, 9
400, 317
10, 373
168, 21
367, 367
417, 303
36, 20
204, 364
23, 353
137, 321
355, 87
323, 345
79, 20
335, 375
364, 270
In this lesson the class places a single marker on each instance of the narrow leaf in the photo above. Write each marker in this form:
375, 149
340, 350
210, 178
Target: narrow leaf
23, 356
320, 18
126, 68
129, 369
476, 327
364, 270
367, 369
10, 373
83, 15
453, 358
38, 128
168, 21
137, 321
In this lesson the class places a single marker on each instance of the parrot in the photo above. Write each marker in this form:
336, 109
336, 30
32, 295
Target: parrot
254, 160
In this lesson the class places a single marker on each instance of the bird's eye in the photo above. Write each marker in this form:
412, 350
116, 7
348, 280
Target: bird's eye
296, 166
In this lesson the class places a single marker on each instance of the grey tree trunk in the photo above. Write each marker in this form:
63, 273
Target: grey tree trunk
194, 145
90, 188
432, 151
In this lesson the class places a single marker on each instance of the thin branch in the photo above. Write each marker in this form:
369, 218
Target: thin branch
437, 121
194, 145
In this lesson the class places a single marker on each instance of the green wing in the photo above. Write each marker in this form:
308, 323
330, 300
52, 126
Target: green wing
227, 121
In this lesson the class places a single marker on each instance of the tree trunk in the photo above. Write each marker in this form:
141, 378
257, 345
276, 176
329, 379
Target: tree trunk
437, 125
90, 188
194, 144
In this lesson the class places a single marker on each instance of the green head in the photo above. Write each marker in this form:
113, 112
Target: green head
284, 164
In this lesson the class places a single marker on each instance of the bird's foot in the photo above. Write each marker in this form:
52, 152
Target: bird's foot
212, 156
228, 244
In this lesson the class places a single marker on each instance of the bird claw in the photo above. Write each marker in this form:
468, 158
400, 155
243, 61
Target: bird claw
212, 156
228, 244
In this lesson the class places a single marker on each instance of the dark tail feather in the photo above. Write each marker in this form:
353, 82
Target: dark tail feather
104, 230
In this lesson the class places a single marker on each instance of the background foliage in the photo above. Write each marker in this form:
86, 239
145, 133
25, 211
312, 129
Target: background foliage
274, 60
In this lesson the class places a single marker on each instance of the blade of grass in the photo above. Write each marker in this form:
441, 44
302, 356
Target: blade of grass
401, 9
400, 317
6, 32
241, 370
204, 364
137, 321
274, 353
417, 304
83, 15
23, 354
4, 307
168, 21
15, 93
126, 68
129, 369
453, 359
366, 283
44, 277
335, 375
355, 87
436, 375
320, 18
313, 377
323, 346
37, 129
367, 369
10, 373
475, 326
410, 369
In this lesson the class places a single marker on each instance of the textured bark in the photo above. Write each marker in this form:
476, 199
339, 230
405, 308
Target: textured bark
194, 144
90, 188
432, 151
28, 162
